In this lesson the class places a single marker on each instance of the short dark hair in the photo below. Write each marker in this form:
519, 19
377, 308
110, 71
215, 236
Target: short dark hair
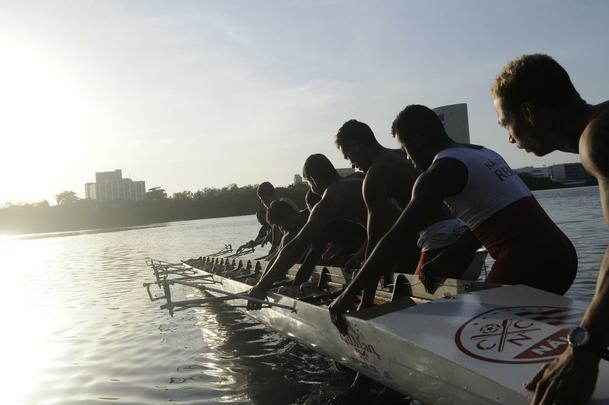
318, 166
278, 212
311, 198
354, 130
538, 79
419, 119
265, 188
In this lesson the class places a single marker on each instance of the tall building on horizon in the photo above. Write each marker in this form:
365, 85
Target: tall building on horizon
298, 179
454, 119
571, 173
111, 186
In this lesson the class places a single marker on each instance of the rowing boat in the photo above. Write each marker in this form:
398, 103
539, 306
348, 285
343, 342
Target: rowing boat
446, 342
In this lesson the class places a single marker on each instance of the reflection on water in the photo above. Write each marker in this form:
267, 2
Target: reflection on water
79, 328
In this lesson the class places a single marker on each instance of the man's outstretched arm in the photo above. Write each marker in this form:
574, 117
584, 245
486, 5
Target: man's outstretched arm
571, 378
444, 178
289, 255
595, 156
382, 214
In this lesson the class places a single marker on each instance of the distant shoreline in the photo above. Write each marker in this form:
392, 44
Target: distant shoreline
63, 229
83, 215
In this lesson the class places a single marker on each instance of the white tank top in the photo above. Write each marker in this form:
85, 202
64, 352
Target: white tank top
491, 185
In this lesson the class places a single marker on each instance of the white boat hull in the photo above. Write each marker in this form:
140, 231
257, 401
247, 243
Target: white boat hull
469, 348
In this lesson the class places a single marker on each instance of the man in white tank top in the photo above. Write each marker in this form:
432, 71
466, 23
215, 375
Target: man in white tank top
387, 188
482, 190
543, 112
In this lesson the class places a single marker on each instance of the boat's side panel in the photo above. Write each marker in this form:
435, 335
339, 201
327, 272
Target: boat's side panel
382, 355
505, 334
470, 348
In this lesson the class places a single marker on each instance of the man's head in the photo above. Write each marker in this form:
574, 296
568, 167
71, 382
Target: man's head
266, 193
319, 172
355, 140
281, 214
311, 199
421, 134
532, 96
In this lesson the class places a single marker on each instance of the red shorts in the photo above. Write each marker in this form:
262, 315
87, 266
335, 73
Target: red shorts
422, 260
528, 248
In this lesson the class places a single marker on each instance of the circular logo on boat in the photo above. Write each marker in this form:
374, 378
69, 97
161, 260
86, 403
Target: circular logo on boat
512, 335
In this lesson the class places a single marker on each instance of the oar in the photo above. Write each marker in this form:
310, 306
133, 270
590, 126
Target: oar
226, 249
241, 253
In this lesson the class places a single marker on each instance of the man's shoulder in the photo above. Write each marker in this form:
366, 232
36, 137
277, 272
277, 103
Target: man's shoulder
393, 162
290, 203
598, 128
594, 145
344, 184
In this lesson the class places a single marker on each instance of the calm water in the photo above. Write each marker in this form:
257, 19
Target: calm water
79, 328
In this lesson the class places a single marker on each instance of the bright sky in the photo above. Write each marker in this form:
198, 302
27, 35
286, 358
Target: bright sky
187, 95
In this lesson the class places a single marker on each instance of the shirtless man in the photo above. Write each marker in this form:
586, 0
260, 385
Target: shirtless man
387, 184
340, 237
389, 178
264, 234
543, 112
290, 221
482, 191
341, 199
267, 194
387, 189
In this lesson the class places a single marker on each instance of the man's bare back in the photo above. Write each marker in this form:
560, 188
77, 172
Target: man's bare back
343, 199
396, 174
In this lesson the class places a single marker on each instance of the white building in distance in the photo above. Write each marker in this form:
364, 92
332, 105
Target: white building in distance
535, 171
111, 186
454, 119
566, 173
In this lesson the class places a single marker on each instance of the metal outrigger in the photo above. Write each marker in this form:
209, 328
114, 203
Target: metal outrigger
167, 274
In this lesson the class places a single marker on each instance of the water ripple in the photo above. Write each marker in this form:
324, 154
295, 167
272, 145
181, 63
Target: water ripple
85, 331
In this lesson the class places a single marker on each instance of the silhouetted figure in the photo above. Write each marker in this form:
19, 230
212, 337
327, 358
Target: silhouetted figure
264, 234
387, 188
267, 194
311, 199
342, 239
289, 220
341, 198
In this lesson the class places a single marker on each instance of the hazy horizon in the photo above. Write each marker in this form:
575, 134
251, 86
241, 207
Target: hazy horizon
195, 94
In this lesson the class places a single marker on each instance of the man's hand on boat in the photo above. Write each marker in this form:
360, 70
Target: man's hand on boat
337, 309
246, 245
568, 379
257, 292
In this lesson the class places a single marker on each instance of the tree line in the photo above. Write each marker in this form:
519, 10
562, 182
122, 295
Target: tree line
72, 213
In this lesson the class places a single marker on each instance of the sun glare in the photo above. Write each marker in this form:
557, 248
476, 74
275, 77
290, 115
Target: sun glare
42, 118
25, 341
